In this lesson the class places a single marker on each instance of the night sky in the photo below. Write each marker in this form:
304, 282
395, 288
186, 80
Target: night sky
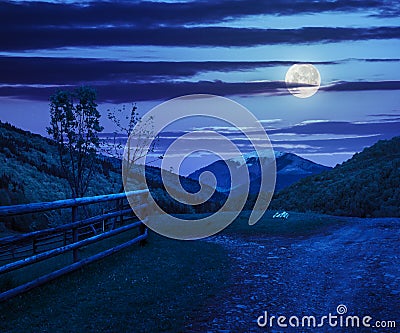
149, 52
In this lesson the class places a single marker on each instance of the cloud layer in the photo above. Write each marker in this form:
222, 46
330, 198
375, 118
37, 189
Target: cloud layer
151, 14
31, 38
40, 26
45, 70
317, 140
32, 25
127, 92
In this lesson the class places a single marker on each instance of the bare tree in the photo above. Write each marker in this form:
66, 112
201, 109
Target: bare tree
141, 141
113, 146
139, 138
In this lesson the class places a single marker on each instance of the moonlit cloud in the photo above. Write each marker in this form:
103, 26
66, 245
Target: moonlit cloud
150, 91
47, 70
287, 137
358, 86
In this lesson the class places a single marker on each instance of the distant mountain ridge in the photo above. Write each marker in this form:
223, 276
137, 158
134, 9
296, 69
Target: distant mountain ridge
367, 185
290, 168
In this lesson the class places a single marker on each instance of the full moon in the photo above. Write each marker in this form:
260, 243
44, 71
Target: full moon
303, 80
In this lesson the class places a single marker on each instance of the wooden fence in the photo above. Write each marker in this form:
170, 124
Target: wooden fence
22, 250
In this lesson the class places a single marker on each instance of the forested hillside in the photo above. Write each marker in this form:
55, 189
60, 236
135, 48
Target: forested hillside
367, 185
30, 172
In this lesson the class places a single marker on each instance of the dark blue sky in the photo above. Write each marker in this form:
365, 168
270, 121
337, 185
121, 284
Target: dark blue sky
149, 52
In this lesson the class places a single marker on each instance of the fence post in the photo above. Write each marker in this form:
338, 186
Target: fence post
75, 234
121, 217
13, 251
103, 223
142, 226
34, 246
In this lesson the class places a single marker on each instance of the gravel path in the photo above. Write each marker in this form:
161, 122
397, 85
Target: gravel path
356, 265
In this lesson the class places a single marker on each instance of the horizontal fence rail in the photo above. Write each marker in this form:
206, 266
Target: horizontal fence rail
67, 269
66, 203
19, 251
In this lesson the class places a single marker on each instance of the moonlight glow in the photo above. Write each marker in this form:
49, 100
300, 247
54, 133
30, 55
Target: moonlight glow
303, 80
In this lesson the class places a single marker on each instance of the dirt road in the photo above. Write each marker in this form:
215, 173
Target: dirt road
356, 265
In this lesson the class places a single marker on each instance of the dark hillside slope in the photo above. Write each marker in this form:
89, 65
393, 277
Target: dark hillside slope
29, 169
367, 185
30, 172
